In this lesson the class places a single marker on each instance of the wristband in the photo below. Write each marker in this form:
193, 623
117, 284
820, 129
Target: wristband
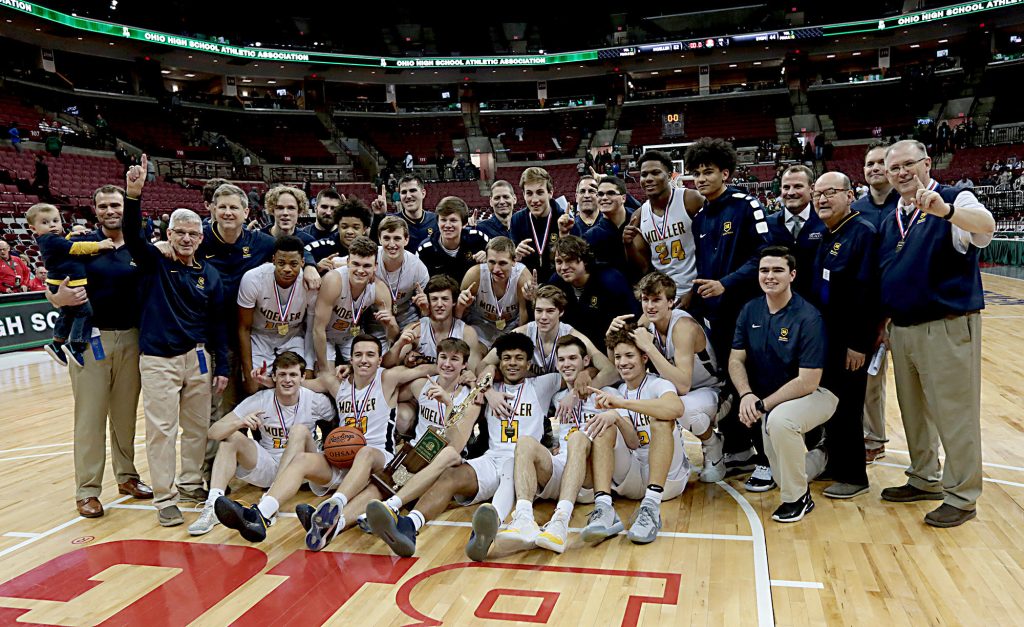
952, 210
744, 395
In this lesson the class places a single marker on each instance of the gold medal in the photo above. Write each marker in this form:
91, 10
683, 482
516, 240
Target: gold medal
500, 324
282, 329
899, 246
353, 331
394, 309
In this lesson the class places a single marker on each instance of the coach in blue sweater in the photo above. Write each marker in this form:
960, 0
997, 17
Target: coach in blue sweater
931, 291
182, 320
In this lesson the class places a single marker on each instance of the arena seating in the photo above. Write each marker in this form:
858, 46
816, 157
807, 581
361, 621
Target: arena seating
855, 113
971, 161
423, 136
749, 118
563, 179
276, 138
14, 112
568, 126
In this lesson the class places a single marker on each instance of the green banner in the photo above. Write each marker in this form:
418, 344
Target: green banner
26, 321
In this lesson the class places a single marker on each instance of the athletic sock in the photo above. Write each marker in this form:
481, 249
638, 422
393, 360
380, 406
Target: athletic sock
603, 498
215, 493
654, 493
394, 503
268, 506
524, 507
565, 506
418, 520
341, 498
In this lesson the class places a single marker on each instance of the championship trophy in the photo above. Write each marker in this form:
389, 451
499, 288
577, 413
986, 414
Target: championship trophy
411, 459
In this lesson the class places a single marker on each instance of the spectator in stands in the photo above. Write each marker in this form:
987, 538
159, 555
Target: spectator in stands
503, 203
54, 144
15, 136
353, 220
285, 205
182, 319
535, 228
581, 168
933, 240
162, 225
14, 274
798, 227
64, 259
150, 171
965, 181
453, 250
107, 390
819, 146
327, 202
409, 161
41, 182
38, 281
254, 198
422, 223
102, 128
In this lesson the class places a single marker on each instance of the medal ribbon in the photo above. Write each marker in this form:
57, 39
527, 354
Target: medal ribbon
358, 306
519, 395
660, 233
547, 362
280, 415
356, 412
497, 301
904, 232
283, 311
541, 243
430, 329
387, 278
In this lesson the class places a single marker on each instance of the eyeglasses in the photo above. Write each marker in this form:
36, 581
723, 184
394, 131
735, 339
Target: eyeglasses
191, 234
608, 194
828, 194
899, 167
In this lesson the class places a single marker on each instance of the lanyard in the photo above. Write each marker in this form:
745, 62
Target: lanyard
519, 395
398, 284
497, 301
904, 232
280, 415
430, 329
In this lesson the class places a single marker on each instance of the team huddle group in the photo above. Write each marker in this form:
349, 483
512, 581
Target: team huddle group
605, 333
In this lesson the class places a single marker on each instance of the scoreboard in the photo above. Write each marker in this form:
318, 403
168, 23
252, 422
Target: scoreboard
672, 124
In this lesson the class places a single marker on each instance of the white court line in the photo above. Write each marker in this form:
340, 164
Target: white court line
762, 579
943, 459
784, 583
11, 459
53, 530
661, 534
1001, 317
999, 481
21, 534
32, 448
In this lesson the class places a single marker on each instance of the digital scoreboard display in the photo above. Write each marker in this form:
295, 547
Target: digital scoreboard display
672, 125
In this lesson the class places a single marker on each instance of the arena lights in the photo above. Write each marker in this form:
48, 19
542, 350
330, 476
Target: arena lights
257, 51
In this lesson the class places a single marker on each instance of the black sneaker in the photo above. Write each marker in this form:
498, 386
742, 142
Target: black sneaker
304, 512
74, 355
739, 463
247, 521
55, 351
326, 523
760, 480
794, 512
397, 531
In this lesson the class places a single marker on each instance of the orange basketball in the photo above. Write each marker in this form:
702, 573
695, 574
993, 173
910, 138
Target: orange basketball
341, 446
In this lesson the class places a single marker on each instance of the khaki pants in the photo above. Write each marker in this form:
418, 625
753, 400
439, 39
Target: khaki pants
937, 366
874, 408
175, 392
784, 429
106, 393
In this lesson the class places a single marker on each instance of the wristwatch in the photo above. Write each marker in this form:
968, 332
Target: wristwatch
759, 406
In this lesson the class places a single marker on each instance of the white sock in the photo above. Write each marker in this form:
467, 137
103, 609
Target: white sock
604, 499
394, 503
268, 506
565, 506
652, 495
215, 493
341, 498
417, 519
524, 507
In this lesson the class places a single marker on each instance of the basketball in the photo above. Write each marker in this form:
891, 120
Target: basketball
341, 446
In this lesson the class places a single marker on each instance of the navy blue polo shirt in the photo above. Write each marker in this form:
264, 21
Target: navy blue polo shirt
419, 230
779, 344
876, 213
845, 286
113, 287
729, 232
804, 248
182, 306
437, 261
492, 227
605, 241
926, 278
315, 232
606, 294
250, 250
302, 234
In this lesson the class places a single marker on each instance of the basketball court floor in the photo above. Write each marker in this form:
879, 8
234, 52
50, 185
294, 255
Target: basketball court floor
720, 559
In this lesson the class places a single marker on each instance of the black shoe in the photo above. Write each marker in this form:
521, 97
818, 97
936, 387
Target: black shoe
398, 532
795, 511
326, 523
304, 511
740, 463
907, 493
760, 480
947, 515
247, 521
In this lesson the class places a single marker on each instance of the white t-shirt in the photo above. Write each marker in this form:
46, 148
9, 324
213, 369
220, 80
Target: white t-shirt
530, 401
402, 285
260, 292
279, 419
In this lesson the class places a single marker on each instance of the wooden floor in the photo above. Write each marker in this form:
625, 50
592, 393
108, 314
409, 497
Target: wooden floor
721, 560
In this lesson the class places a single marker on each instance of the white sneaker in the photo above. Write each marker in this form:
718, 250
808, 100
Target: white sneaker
520, 535
205, 523
714, 459
553, 537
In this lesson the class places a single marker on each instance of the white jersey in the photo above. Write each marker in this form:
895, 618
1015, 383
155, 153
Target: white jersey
342, 311
432, 413
544, 362
530, 401
705, 364
367, 409
402, 285
278, 419
484, 311
671, 241
428, 339
584, 411
274, 306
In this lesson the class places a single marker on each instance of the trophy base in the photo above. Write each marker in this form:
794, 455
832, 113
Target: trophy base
409, 461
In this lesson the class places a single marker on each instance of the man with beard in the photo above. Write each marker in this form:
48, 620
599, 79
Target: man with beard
327, 202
